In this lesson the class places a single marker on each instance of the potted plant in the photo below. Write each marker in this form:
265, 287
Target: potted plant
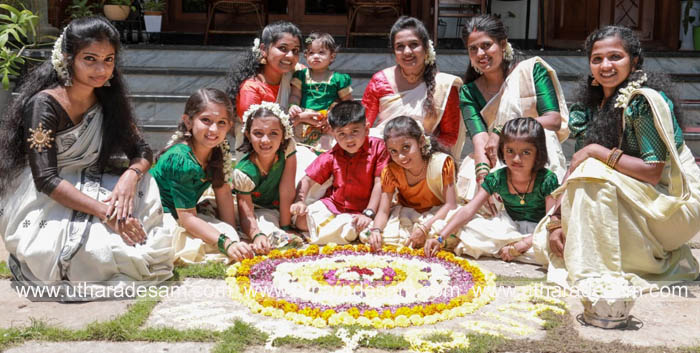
18, 31
80, 8
117, 10
153, 14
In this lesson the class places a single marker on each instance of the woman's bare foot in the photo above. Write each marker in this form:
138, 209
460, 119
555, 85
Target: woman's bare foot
515, 249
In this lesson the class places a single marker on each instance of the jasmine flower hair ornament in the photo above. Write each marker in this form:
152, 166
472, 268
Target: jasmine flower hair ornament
277, 111
58, 61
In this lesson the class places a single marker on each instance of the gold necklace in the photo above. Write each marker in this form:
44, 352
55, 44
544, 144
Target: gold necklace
411, 78
521, 196
419, 173
258, 164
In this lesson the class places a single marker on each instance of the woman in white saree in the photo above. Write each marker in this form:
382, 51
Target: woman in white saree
414, 87
62, 219
632, 198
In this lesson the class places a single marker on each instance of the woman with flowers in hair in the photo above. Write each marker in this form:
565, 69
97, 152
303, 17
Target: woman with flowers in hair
61, 216
198, 156
631, 198
499, 88
264, 178
415, 88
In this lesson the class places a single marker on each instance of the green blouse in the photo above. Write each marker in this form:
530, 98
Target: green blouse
639, 139
535, 206
180, 178
320, 95
471, 101
264, 190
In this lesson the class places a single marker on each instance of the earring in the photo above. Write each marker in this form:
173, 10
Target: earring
595, 83
188, 134
263, 61
107, 83
68, 82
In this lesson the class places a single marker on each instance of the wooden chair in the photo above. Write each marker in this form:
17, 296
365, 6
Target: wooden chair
374, 8
234, 8
458, 9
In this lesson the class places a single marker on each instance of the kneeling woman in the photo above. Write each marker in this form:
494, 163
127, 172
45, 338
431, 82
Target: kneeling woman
424, 177
61, 217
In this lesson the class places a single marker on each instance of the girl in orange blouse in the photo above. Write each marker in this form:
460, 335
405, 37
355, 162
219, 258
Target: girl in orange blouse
423, 175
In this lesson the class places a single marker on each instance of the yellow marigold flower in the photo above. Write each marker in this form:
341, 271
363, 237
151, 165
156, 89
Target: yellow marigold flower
387, 314
389, 248
348, 247
440, 307
289, 307
327, 250
290, 254
326, 314
313, 248
371, 314
403, 311
363, 248
354, 312
405, 250
275, 254
418, 252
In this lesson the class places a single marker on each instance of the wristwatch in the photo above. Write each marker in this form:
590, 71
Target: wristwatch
369, 213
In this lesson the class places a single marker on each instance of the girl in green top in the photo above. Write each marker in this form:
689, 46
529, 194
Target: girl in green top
316, 88
198, 157
524, 186
264, 178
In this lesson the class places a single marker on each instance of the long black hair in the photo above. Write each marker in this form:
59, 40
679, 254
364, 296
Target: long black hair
196, 104
261, 112
250, 65
406, 126
494, 28
119, 130
414, 24
605, 127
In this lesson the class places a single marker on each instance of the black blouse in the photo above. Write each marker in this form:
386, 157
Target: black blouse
44, 109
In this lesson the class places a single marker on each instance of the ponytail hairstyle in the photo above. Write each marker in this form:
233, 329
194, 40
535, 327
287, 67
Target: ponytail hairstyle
415, 25
494, 28
197, 103
119, 131
605, 127
527, 130
250, 65
408, 127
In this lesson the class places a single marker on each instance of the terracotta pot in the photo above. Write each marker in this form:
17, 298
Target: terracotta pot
117, 12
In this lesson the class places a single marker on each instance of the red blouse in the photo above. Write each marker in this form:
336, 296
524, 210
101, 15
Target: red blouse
254, 92
446, 131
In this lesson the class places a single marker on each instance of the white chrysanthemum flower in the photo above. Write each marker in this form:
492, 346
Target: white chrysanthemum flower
430, 53
58, 60
277, 111
508, 52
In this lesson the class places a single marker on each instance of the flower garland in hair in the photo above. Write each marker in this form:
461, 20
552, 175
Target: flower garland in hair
430, 53
58, 60
508, 52
228, 159
255, 49
277, 111
624, 93
427, 145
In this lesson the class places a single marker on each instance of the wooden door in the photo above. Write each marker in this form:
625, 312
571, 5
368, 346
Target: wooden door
567, 23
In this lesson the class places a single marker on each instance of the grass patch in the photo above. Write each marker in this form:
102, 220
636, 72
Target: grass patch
238, 337
438, 337
388, 341
5, 271
326, 342
213, 270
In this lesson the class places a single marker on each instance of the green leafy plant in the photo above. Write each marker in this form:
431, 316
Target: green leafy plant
119, 2
81, 8
18, 31
154, 5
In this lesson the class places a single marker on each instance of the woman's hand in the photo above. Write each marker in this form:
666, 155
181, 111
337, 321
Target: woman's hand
375, 240
122, 197
491, 148
130, 230
240, 251
592, 150
308, 117
360, 222
557, 241
431, 248
295, 110
417, 238
261, 245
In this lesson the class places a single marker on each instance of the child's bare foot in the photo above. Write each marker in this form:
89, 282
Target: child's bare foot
515, 249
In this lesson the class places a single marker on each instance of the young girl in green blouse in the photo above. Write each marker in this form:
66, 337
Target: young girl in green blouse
195, 158
264, 178
524, 186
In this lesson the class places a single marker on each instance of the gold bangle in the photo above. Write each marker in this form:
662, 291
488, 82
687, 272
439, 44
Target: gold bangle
616, 158
422, 229
610, 155
552, 225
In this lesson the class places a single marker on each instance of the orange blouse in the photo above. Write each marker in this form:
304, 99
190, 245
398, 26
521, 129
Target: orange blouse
418, 196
